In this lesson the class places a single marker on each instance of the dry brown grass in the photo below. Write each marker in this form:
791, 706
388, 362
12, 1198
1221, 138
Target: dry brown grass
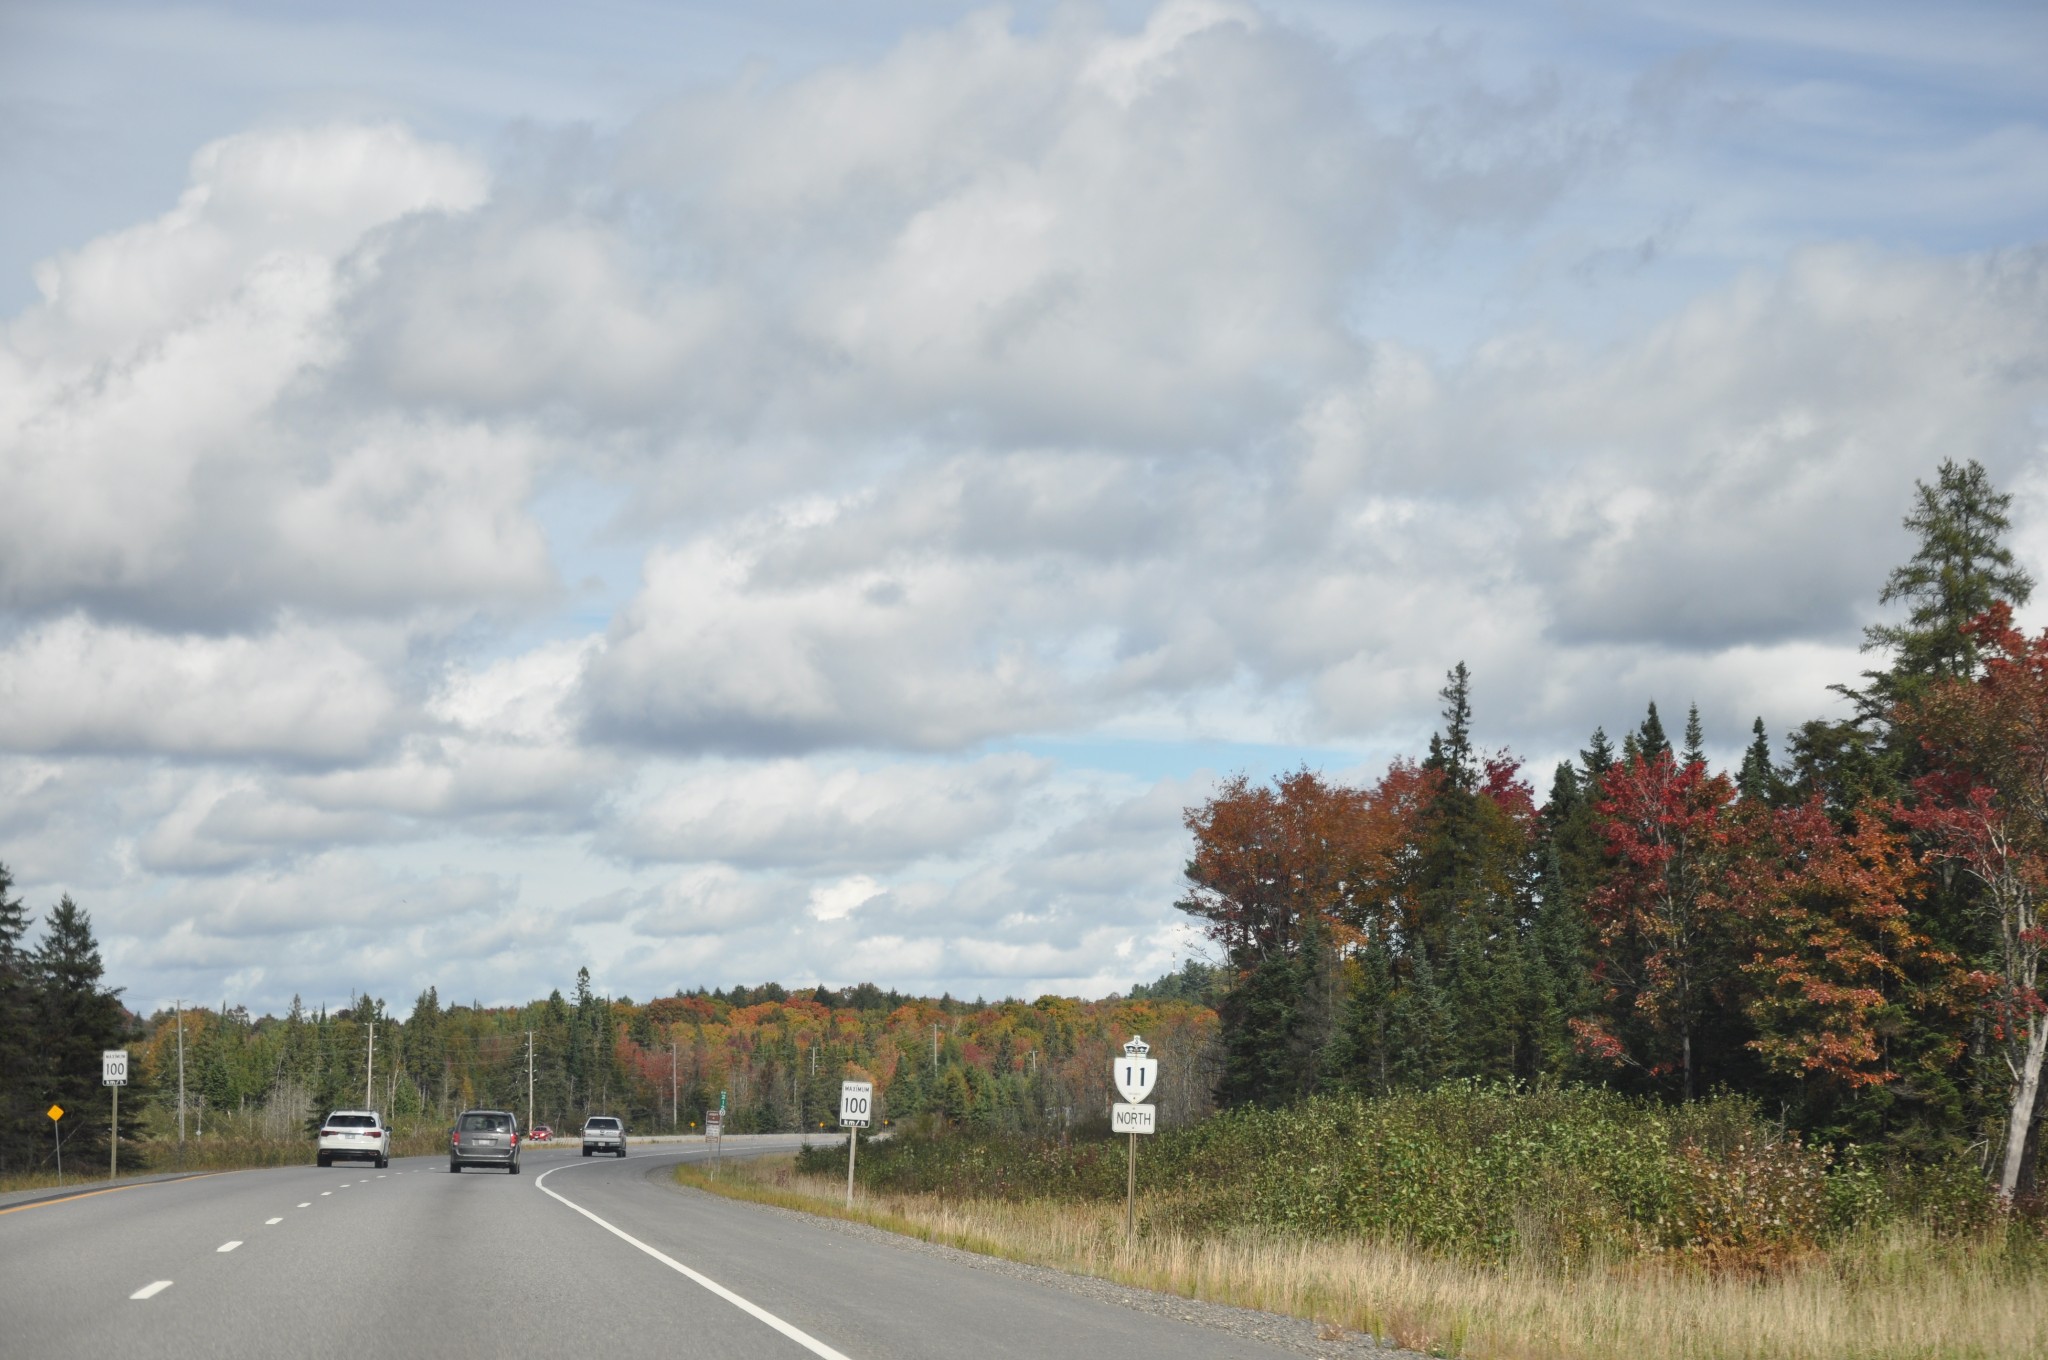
1901, 1295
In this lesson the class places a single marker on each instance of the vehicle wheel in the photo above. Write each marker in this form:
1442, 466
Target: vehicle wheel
453, 1166
383, 1162
515, 1168
586, 1152
622, 1152
324, 1159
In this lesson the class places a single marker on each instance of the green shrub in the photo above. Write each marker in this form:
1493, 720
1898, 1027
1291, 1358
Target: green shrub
1483, 1172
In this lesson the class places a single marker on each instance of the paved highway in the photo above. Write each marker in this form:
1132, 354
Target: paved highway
601, 1258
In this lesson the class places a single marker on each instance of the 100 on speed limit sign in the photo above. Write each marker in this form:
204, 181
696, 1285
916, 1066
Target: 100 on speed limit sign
856, 1104
113, 1067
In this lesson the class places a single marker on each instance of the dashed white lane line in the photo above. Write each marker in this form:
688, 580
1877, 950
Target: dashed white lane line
753, 1310
226, 1247
307, 1205
150, 1291
325, 1193
273, 1222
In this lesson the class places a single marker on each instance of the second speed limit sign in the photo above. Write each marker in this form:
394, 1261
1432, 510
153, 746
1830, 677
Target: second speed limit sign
856, 1104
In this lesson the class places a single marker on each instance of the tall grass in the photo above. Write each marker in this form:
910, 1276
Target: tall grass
1485, 1174
1905, 1289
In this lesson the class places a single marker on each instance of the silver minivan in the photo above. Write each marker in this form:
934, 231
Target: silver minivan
484, 1138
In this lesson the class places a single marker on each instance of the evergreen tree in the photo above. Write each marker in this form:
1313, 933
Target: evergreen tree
1650, 739
79, 1018
18, 1030
1960, 569
1359, 1058
1450, 751
1758, 781
1695, 739
1258, 1025
1597, 759
1421, 1028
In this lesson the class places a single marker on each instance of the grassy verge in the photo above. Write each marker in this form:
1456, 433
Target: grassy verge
1897, 1292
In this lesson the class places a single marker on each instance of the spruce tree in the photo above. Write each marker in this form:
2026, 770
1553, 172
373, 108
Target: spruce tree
79, 1018
1758, 780
1695, 739
1650, 739
1960, 568
18, 1027
1597, 759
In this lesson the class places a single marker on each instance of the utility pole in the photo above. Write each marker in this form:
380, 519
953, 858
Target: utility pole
674, 1087
370, 1070
180, 1004
529, 1082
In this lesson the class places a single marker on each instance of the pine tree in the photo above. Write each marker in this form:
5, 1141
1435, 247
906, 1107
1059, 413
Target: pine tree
1695, 738
1960, 569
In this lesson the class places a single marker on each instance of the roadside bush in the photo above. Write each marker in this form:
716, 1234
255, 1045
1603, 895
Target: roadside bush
1474, 1171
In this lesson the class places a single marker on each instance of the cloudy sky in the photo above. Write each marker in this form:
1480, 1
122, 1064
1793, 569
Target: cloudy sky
810, 491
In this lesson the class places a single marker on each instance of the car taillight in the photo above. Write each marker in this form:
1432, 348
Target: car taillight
455, 1138
327, 1133
515, 1140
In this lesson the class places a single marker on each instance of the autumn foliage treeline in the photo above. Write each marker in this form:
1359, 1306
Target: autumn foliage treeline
1851, 936
777, 1055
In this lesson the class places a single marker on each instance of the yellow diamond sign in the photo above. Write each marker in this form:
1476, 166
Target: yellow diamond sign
55, 1112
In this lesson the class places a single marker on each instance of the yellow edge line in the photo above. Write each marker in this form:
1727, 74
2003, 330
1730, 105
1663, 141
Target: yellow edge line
88, 1194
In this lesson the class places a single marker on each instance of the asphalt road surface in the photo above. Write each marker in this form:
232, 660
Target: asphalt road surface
603, 1258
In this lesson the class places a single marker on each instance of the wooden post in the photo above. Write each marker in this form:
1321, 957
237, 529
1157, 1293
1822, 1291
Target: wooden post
1131, 1194
852, 1142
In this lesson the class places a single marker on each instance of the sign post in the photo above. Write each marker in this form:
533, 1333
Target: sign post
114, 1073
1135, 1075
56, 1112
856, 1109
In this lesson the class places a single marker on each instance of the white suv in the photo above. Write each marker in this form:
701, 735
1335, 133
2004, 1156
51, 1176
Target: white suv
355, 1135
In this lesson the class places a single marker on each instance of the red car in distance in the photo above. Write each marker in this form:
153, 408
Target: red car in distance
540, 1133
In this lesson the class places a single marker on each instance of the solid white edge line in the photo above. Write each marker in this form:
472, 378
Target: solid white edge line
751, 1309
227, 1246
150, 1291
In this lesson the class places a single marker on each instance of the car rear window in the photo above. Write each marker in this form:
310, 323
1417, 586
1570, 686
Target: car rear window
352, 1121
486, 1123
602, 1124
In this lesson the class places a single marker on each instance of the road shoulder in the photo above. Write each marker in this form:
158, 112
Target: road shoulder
1298, 1335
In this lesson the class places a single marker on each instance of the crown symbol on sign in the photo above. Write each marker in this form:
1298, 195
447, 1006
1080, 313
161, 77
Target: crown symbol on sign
1137, 1047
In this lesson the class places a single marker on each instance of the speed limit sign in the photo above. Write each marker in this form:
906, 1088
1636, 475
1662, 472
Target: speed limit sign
856, 1104
113, 1067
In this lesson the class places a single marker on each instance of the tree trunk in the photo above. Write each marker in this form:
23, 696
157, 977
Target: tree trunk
2022, 1117
2029, 1186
